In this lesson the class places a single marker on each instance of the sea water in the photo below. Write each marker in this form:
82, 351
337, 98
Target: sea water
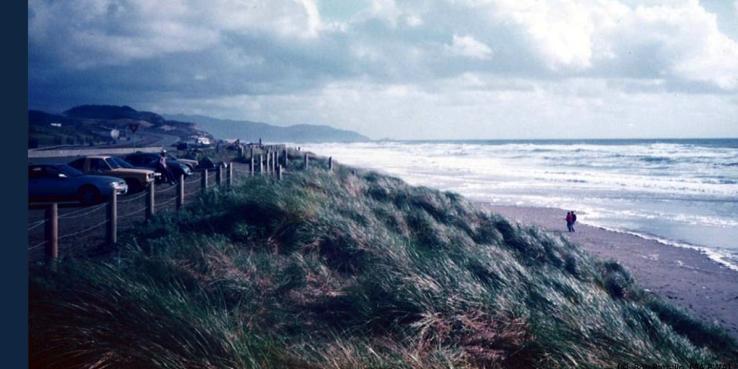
680, 192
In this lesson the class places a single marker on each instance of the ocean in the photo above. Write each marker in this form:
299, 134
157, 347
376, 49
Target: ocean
680, 192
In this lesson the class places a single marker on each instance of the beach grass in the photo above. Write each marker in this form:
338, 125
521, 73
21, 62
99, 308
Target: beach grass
352, 269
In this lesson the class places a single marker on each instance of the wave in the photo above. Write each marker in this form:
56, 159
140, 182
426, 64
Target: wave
657, 159
663, 188
723, 257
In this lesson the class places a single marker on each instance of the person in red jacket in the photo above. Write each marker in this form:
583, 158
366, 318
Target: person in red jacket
573, 220
570, 221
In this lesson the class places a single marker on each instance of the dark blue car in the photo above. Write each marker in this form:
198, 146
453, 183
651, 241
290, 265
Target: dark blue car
60, 182
151, 161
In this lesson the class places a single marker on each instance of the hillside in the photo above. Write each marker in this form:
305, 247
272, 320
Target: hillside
252, 131
91, 125
351, 269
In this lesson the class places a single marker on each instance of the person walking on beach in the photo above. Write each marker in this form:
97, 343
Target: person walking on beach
570, 221
573, 220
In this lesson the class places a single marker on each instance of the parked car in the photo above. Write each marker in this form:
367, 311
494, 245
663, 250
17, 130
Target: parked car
189, 162
136, 178
206, 163
60, 182
151, 161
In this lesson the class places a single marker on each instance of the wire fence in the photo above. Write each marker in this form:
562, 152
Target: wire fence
81, 225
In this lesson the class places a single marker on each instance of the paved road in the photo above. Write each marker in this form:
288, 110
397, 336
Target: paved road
153, 142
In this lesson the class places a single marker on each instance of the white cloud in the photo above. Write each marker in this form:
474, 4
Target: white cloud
583, 35
413, 21
560, 31
283, 60
386, 10
469, 47
684, 38
581, 108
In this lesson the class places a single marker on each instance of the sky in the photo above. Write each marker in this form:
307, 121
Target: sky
401, 69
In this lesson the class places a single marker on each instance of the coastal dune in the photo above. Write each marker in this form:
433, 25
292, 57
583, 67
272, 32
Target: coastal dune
347, 268
686, 277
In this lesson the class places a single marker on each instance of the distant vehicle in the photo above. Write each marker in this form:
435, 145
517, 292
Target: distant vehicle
60, 182
151, 161
206, 163
189, 162
201, 140
136, 178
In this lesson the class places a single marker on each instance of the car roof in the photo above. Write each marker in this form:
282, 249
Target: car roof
97, 156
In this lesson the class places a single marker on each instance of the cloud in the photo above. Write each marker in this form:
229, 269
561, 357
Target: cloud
413, 21
469, 47
111, 32
211, 53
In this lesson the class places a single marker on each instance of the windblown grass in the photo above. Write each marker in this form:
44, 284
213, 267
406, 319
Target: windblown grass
352, 270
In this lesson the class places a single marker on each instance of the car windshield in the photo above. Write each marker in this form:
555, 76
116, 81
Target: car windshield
69, 171
120, 162
112, 163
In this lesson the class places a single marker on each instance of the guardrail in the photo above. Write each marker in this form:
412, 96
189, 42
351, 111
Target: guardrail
122, 211
62, 153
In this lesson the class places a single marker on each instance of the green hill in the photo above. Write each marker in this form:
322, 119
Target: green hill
351, 269
91, 125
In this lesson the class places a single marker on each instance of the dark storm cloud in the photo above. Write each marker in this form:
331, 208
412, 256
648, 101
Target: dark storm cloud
244, 57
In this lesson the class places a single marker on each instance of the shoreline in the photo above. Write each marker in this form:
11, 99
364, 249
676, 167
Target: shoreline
685, 276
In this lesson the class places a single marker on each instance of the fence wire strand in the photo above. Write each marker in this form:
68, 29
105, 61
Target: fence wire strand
122, 217
126, 201
166, 202
84, 230
82, 212
36, 225
167, 189
37, 245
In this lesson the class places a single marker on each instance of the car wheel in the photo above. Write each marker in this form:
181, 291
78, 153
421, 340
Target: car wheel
89, 195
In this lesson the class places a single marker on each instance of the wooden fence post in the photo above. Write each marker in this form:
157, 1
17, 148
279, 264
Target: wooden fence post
229, 175
286, 159
180, 192
219, 174
279, 172
261, 165
112, 229
151, 202
52, 233
204, 180
330, 163
275, 160
307, 165
251, 167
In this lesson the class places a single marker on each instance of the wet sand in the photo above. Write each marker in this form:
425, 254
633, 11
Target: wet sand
686, 277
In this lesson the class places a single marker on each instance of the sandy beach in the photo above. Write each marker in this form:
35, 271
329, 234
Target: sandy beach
685, 277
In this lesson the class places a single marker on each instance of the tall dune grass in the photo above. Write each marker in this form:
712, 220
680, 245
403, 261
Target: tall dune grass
352, 269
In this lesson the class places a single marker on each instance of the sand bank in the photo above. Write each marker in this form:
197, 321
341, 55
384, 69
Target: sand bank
686, 277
